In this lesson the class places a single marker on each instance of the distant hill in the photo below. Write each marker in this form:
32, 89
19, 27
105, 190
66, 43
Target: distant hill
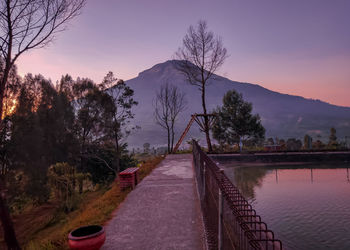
283, 115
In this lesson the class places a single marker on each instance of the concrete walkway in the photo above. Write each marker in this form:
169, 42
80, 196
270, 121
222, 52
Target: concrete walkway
163, 212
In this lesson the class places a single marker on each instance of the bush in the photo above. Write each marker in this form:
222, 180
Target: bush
63, 180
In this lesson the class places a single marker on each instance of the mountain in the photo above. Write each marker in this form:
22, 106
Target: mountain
284, 116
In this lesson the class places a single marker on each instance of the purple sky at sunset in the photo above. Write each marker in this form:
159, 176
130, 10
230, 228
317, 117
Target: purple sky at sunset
296, 47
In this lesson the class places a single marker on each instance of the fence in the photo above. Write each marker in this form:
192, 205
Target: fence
230, 221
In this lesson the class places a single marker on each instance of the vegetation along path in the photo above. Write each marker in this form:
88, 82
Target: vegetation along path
163, 211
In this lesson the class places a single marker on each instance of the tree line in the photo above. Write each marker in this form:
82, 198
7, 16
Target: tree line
24, 25
54, 135
75, 121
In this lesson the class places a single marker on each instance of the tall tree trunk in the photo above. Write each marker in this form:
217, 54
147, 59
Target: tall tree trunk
82, 156
172, 139
8, 63
118, 154
206, 120
2, 94
6, 222
172, 136
74, 182
9, 232
82, 151
3, 87
168, 131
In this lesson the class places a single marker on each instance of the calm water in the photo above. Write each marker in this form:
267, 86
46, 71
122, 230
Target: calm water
308, 207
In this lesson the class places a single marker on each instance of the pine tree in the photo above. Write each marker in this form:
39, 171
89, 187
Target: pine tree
235, 121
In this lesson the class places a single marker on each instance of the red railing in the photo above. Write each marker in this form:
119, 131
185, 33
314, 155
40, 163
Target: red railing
230, 221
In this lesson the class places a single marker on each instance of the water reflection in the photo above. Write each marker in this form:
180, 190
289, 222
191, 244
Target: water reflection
276, 176
307, 206
247, 178
312, 176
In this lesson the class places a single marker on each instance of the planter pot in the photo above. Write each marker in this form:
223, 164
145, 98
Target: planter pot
87, 238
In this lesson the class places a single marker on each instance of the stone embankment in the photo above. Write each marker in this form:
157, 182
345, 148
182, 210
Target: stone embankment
332, 156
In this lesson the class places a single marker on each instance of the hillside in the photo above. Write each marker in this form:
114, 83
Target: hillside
282, 115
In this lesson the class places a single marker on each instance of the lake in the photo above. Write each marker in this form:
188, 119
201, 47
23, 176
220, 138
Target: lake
307, 206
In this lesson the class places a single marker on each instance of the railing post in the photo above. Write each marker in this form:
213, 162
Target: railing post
220, 247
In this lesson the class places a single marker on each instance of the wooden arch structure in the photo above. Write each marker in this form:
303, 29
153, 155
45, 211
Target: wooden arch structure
199, 119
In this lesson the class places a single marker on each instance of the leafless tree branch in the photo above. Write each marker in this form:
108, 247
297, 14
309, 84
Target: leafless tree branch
25, 25
169, 102
200, 56
29, 24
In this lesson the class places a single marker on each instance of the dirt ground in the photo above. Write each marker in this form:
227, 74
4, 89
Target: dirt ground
30, 222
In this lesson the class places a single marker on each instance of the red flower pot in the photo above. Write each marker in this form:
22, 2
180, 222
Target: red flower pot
87, 238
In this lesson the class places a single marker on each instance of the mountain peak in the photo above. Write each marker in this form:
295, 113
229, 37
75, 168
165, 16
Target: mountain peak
282, 115
165, 68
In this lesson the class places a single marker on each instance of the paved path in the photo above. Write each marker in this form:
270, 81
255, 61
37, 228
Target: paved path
163, 212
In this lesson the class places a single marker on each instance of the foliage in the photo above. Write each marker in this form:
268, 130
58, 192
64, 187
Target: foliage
98, 210
118, 103
17, 199
70, 123
100, 163
225, 148
293, 144
307, 142
146, 147
333, 144
235, 121
63, 180
29, 24
41, 133
318, 145
282, 144
270, 141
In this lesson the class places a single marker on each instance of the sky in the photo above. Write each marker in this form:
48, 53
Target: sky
296, 47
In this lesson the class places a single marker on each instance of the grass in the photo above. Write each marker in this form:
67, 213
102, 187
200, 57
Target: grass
96, 208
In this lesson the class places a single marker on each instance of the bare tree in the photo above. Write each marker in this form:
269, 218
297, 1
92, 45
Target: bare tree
177, 104
161, 110
200, 56
29, 24
169, 102
25, 25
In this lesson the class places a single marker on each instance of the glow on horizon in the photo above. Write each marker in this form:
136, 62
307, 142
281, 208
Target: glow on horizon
295, 48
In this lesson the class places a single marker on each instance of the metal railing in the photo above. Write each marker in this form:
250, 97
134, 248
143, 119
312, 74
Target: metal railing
230, 221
